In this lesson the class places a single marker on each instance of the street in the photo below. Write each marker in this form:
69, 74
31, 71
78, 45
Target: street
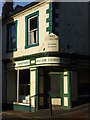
74, 113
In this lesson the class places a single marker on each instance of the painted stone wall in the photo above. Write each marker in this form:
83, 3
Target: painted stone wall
21, 51
70, 22
72, 27
74, 86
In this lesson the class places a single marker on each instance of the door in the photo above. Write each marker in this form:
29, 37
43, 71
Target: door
53, 84
50, 79
11, 86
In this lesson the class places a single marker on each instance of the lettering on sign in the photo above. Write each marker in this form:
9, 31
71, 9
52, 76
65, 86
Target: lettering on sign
22, 63
47, 60
52, 45
19, 64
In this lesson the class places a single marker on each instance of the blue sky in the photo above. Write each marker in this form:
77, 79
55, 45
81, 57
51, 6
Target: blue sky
0, 7
15, 3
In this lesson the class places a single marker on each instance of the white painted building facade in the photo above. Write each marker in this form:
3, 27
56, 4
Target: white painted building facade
36, 60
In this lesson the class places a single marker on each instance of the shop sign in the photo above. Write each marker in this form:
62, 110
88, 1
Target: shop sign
51, 43
22, 63
18, 64
47, 60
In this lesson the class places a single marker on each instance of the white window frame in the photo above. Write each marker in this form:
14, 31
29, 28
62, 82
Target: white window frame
30, 31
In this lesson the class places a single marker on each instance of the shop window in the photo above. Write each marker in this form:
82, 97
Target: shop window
24, 88
12, 36
32, 30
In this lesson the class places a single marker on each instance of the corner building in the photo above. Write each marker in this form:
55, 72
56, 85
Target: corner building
46, 50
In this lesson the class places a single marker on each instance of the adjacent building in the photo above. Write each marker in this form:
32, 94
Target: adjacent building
0, 65
45, 51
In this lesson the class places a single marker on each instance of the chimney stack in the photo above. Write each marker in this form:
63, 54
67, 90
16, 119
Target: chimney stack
7, 7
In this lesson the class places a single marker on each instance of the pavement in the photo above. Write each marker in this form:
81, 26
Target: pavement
79, 112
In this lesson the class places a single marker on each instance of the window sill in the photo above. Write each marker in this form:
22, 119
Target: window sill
33, 45
21, 103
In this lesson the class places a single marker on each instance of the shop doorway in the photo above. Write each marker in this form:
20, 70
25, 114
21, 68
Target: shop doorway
49, 82
11, 86
52, 87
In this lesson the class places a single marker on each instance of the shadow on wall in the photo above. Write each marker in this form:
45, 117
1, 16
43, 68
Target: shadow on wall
0, 65
9, 45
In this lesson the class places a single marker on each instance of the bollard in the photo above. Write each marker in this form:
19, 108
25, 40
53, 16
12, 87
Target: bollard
50, 105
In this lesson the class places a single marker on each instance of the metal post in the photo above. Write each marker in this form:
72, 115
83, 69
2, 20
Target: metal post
17, 86
50, 105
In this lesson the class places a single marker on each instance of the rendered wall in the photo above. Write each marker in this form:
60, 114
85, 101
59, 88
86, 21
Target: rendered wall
21, 51
72, 27
74, 86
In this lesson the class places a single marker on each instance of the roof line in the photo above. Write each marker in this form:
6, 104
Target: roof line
21, 9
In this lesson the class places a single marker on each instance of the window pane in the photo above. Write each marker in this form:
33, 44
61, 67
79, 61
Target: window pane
24, 86
33, 23
32, 37
13, 31
32, 31
29, 38
35, 36
12, 37
13, 43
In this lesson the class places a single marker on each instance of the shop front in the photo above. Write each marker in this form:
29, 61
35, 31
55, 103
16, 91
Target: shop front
31, 81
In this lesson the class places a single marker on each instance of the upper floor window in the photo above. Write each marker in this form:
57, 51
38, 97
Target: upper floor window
32, 30
12, 36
